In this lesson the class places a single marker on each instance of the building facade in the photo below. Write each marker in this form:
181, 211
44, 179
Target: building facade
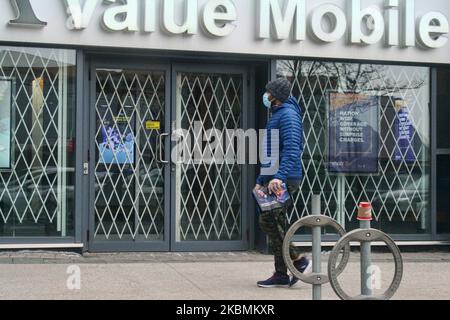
93, 93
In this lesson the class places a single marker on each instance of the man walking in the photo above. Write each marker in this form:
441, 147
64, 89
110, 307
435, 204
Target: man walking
287, 119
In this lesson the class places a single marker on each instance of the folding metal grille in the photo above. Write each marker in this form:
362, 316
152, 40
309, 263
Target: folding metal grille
400, 192
37, 191
208, 197
129, 181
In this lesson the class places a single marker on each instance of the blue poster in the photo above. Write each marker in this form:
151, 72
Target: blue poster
353, 133
116, 141
404, 133
5, 123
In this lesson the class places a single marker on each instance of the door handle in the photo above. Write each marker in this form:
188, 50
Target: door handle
161, 142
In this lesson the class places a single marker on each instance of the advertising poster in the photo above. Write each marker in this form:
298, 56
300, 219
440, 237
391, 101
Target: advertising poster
5, 123
404, 133
116, 145
353, 133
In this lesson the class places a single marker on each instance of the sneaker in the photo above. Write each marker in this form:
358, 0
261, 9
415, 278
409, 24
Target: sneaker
304, 266
278, 280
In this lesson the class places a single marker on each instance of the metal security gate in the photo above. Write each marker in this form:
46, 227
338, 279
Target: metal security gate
128, 180
140, 200
400, 192
37, 124
208, 198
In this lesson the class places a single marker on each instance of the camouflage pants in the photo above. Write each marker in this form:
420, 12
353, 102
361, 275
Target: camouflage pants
274, 224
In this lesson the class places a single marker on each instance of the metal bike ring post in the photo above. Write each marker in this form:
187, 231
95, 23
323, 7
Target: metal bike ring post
313, 221
365, 235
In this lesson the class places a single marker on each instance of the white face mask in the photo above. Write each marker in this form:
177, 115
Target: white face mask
267, 103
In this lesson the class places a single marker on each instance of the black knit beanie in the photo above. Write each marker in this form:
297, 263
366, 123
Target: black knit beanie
280, 89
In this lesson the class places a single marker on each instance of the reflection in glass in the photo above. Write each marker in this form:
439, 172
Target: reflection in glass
400, 193
37, 191
208, 195
129, 180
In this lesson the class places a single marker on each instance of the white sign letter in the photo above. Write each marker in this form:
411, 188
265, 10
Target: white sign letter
150, 12
212, 17
337, 19
392, 23
357, 16
129, 23
294, 18
409, 15
432, 27
190, 19
79, 18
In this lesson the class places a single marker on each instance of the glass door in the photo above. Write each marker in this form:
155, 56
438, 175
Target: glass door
207, 191
141, 199
129, 175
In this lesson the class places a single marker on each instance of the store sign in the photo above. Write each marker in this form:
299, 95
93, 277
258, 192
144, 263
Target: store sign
396, 22
153, 125
353, 133
400, 32
394, 30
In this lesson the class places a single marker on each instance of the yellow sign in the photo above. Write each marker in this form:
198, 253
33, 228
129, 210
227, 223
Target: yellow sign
153, 125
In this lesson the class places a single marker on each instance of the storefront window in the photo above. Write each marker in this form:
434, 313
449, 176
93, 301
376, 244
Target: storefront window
37, 142
366, 131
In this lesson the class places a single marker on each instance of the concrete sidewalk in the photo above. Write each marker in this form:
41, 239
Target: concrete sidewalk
187, 276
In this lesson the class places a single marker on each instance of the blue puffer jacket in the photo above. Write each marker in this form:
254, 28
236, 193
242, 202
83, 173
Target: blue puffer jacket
287, 118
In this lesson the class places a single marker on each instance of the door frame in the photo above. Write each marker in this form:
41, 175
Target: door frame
124, 246
169, 243
237, 245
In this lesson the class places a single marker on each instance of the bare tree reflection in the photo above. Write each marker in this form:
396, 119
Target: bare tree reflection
345, 77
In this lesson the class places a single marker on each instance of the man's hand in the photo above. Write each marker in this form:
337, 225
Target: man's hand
257, 187
275, 186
